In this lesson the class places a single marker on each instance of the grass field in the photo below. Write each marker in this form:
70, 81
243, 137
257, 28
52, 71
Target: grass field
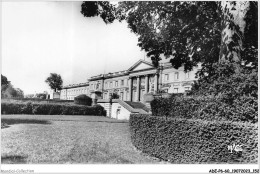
44, 139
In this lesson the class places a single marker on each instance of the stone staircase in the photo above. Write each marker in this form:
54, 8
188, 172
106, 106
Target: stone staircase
138, 106
133, 107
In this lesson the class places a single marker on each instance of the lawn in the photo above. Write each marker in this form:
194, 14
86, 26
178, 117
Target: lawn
44, 139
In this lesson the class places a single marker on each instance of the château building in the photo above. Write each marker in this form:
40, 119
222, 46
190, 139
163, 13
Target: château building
132, 84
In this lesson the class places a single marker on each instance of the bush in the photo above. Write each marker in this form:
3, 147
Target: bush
7, 107
83, 100
225, 91
208, 108
179, 140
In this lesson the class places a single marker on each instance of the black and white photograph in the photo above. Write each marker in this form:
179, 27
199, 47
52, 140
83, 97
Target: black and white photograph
129, 86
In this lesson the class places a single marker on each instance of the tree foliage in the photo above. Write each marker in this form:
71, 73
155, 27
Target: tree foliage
4, 80
7, 89
99, 8
185, 32
228, 81
54, 81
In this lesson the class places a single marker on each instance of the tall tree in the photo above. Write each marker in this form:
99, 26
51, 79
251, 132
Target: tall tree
187, 32
54, 81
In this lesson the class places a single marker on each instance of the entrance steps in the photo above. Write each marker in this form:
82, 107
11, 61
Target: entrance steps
138, 105
132, 107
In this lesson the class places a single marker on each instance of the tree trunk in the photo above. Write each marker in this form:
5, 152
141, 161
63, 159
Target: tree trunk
233, 25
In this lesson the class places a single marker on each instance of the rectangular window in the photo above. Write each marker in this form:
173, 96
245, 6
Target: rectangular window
166, 77
187, 89
187, 74
175, 90
116, 84
176, 76
151, 79
134, 81
111, 84
122, 82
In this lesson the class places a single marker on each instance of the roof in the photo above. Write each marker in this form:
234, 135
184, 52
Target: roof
140, 62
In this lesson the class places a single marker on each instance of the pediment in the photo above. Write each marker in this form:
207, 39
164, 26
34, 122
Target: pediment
141, 65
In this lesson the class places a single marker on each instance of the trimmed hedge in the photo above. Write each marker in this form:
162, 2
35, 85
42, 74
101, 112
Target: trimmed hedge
207, 108
190, 141
83, 100
50, 109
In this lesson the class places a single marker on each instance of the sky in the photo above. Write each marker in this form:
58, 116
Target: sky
39, 38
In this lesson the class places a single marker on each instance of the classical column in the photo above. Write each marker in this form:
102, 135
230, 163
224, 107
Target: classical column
156, 83
146, 84
150, 83
130, 89
138, 89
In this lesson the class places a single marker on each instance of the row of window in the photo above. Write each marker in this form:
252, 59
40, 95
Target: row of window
121, 95
74, 90
176, 76
121, 82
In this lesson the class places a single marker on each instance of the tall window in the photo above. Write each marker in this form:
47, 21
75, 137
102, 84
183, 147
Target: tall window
122, 82
151, 79
111, 84
176, 75
122, 95
116, 84
142, 80
166, 77
187, 74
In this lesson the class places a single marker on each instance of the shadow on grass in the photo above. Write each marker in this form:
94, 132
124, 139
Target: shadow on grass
5, 122
110, 121
13, 159
96, 153
94, 121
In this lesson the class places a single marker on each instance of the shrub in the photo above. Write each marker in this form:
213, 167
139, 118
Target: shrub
243, 108
179, 140
225, 91
8, 107
83, 100
11, 108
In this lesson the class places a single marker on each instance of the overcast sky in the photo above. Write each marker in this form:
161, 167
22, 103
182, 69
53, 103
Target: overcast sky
39, 38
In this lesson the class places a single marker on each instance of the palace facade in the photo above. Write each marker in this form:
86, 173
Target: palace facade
71, 91
132, 84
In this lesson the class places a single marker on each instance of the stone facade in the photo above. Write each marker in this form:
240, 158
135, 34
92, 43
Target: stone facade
132, 84
71, 91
